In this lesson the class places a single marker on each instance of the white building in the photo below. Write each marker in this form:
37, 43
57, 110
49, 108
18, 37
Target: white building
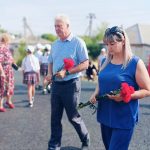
139, 36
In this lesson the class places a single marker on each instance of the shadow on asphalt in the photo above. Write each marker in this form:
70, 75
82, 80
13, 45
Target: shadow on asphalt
20, 87
70, 148
145, 106
20, 93
20, 90
146, 114
22, 103
88, 89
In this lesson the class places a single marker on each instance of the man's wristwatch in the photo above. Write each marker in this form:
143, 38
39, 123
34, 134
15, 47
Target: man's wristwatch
67, 73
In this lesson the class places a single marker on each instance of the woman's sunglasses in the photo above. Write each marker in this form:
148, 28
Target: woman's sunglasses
114, 30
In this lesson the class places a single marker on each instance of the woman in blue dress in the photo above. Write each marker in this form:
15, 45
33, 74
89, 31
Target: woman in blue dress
117, 118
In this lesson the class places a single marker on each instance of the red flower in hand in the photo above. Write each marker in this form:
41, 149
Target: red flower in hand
68, 63
126, 92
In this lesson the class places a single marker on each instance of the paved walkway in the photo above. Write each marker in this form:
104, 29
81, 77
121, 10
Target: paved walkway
28, 128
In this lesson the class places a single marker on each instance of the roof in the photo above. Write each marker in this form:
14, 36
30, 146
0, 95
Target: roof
30, 40
139, 34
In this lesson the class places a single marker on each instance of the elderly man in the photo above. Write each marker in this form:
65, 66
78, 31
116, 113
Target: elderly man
66, 86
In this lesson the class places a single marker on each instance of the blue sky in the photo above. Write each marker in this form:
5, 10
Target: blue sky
40, 14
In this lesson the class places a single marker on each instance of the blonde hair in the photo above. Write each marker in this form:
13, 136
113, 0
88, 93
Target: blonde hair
118, 36
5, 38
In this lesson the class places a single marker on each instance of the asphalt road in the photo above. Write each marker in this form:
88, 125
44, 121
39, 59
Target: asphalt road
29, 128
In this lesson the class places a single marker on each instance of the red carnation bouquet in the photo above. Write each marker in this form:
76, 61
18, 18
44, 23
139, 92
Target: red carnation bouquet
125, 91
67, 65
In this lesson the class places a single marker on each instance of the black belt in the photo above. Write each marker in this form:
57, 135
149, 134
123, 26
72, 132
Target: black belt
65, 82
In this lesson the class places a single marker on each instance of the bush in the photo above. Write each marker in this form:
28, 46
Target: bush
49, 37
94, 50
21, 53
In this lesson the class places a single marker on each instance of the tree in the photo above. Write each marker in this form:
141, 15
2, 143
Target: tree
2, 30
99, 33
49, 37
21, 53
94, 50
93, 43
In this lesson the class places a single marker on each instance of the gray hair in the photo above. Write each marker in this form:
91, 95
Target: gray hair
119, 36
62, 17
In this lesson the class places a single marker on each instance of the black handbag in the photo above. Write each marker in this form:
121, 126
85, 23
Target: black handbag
15, 66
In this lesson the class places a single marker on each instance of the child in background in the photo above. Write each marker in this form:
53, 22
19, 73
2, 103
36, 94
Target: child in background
39, 47
44, 66
30, 67
39, 52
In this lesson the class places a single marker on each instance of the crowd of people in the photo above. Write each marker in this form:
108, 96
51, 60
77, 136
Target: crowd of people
34, 67
116, 65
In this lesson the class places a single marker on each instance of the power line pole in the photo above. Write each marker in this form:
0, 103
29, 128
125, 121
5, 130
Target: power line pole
26, 27
91, 16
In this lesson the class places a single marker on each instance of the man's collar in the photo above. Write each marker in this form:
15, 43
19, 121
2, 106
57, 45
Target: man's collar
69, 38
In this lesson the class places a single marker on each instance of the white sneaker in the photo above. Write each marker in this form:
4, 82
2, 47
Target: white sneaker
44, 91
33, 99
31, 104
49, 88
52, 148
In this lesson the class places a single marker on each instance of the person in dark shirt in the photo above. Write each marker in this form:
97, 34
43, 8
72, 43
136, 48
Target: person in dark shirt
91, 72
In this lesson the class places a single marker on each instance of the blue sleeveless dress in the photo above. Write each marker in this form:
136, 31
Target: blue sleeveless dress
117, 114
